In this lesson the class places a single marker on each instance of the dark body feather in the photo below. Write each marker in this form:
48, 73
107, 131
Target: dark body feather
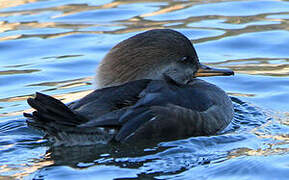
137, 110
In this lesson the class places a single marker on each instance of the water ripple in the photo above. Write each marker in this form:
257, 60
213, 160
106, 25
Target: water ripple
54, 46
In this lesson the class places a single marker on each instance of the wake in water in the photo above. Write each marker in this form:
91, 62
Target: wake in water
166, 159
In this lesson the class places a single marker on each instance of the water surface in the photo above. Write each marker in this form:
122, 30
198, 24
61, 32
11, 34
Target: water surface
54, 46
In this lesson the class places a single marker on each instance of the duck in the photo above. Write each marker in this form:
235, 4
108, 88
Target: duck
148, 90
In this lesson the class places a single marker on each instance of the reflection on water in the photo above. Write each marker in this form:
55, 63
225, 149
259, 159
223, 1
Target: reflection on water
54, 46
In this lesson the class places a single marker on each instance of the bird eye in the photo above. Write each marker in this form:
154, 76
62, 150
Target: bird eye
185, 59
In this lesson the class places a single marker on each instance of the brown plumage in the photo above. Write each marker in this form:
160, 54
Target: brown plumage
144, 56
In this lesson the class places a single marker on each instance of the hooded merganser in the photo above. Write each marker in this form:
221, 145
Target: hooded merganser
147, 90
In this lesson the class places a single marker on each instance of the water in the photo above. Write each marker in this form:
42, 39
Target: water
53, 46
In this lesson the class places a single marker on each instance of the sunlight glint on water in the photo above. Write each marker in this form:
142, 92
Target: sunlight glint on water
54, 46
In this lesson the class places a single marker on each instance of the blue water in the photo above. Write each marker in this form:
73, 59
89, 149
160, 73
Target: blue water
54, 46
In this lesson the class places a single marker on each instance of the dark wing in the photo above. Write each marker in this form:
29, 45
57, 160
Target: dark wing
109, 99
169, 111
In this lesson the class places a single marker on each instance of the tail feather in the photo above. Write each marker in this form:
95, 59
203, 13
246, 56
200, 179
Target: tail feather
51, 113
62, 125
